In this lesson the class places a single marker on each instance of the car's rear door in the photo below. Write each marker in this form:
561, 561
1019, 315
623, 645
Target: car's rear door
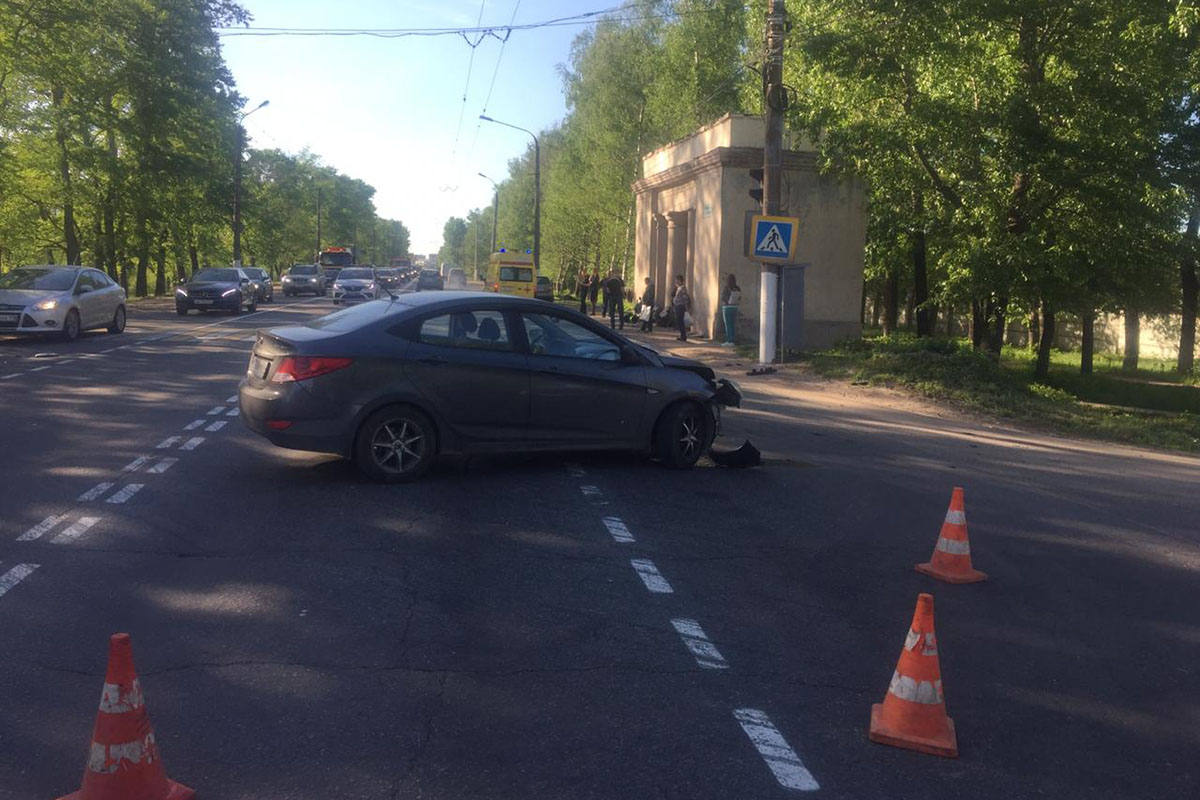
466, 364
581, 390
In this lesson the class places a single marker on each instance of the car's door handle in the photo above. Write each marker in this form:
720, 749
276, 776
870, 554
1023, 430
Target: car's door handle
433, 361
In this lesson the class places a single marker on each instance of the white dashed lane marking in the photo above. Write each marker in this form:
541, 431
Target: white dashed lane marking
650, 576
781, 759
136, 464
39, 369
75, 530
10, 375
574, 470
216, 426
618, 529
232, 399
697, 643
233, 412
42, 528
170, 441
593, 493
193, 443
125, 492
162, 466
191, 426
14, 576
212, 412
95, 491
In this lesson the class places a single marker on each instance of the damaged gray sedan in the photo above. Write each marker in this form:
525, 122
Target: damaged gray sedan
391, 384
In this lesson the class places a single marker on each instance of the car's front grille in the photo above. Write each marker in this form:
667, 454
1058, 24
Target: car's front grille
10, 307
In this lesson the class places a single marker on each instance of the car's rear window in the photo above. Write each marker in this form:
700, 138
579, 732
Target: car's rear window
523, 274
355, 317
312, 270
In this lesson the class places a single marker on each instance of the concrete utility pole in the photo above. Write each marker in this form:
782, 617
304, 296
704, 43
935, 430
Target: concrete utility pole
773, 103
237, 184
495, 206
317, 257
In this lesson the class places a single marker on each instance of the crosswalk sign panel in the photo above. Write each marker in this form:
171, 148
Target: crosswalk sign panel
774, 238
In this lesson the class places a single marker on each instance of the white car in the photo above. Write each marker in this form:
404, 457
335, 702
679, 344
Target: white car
63, 301
355, 283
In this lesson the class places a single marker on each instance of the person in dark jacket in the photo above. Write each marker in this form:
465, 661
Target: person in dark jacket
585, 286
594, 289
614, 300
648, 303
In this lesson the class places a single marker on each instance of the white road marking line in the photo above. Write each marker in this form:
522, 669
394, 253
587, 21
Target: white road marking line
10, 375
574, 470
15, 575
111, 349
232, 399
593, 493
618, 529
39, 369
233, 412
704, 651
162, 466
65, 361
75, 530
650, 576
136, 464
125, 492
95, 491
192, 444
170, 441
216, 426
42, 528
191, 426
781, 759
215, 410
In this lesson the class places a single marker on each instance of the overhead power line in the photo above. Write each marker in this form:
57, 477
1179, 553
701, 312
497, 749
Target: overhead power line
470, 65
495, 72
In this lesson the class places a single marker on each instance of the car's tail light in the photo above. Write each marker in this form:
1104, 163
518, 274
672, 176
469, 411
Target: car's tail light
279, 424
301, 368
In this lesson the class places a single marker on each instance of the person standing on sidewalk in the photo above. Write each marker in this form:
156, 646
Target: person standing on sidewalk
594, 289
614, 290
681, 302
731, 297
585, 286
648, 304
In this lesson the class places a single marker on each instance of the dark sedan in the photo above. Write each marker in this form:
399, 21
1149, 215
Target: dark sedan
393, 383
429, 279
213, 288
262, 283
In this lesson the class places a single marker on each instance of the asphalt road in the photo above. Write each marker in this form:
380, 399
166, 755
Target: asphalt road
580, 627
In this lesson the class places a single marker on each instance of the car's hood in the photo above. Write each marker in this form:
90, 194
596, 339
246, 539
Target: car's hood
25, 297
301, 277
207, 285
691, 365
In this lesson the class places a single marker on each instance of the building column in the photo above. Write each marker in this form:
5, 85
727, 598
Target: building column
658, 270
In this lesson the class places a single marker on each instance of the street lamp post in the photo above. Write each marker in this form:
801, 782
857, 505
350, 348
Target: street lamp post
537, 186
237, 184
495, 206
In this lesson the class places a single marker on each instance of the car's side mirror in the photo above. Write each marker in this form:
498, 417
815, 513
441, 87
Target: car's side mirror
245, 281
630, 356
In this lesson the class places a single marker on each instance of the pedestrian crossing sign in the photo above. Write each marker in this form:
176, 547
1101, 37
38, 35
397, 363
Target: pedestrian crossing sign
774, 238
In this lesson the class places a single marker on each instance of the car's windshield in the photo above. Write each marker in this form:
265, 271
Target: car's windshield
255, 272
50, 280
356, 274
337, 259
222, 275
303, 269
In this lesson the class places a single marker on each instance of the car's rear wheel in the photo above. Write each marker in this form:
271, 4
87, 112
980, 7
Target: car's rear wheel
395, 445
70, 328
683, 435
118, 321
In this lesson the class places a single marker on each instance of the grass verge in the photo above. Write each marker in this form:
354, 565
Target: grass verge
1166, 414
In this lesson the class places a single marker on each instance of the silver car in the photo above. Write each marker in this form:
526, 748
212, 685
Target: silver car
63, 301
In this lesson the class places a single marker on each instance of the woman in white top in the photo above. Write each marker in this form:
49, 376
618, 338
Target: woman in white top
731, 297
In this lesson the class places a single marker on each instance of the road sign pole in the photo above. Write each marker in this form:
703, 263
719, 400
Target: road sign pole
773, 94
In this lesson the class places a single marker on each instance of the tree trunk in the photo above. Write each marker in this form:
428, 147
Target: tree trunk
143, 256
109, 203
920, 272
977, 323
999, 320
70, 234
876, 309
1046, 342
1088, 345
910, 316
1133, 339
1191, 288
1035, 328
950, 321
891, 302
160, 266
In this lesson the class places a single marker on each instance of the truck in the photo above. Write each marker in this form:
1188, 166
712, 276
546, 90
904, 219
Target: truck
334, 259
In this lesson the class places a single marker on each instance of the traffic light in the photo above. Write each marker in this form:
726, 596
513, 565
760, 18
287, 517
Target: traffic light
756, 175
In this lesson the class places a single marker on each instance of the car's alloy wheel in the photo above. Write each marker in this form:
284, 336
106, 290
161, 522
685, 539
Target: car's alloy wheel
395, 444
118, 321
70, 328
683, 435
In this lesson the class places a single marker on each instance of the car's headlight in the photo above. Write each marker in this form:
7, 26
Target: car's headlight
228, 292
46, 305
287, 278
337, 286
370, 287
181, 292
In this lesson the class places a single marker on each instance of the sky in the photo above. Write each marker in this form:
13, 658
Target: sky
387, 111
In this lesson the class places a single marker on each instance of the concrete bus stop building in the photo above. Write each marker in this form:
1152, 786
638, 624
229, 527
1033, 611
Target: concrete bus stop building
693, 219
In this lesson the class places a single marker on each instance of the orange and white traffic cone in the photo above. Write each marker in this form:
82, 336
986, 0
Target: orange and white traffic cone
913, 713
124, 763
951, 561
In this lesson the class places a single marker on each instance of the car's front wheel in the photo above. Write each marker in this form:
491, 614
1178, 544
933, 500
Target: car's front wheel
396, 444
683, 435
118, 321
70, 328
